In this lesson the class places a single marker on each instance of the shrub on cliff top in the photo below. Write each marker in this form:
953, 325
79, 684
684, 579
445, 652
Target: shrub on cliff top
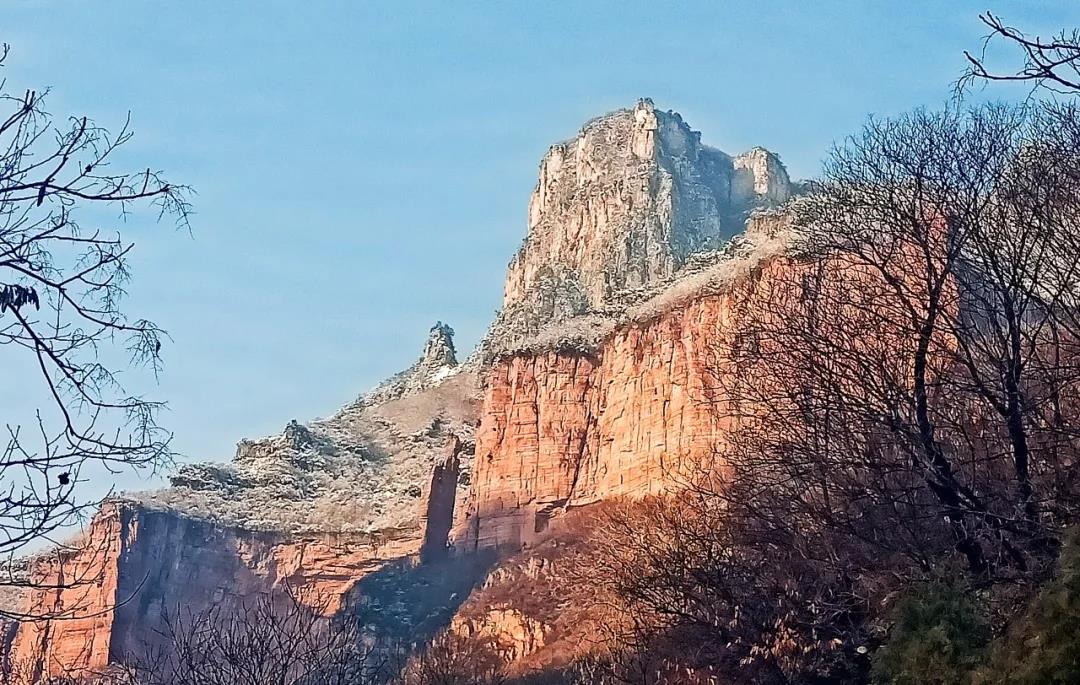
941, 635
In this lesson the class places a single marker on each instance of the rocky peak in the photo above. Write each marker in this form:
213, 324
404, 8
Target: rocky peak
439, 349
760, 178
437, 363
298, 436
623, 206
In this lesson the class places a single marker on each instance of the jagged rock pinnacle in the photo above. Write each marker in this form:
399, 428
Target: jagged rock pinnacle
439, 350
438, 362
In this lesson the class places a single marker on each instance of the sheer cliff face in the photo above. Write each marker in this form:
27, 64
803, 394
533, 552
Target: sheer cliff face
599, 381
320, 508
110, 596
623, 205
561, 429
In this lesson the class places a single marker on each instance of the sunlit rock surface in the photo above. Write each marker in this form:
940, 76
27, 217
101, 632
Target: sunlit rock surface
592, 383
623, 206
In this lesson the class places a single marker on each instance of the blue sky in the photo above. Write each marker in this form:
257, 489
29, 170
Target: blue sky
363, 169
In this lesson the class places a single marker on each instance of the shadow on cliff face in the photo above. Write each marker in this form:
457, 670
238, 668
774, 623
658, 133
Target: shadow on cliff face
408, 603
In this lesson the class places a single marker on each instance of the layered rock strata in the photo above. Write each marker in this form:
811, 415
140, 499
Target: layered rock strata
314, 511
595, 384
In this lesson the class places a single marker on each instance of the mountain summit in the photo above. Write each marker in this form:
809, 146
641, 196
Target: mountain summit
588, 387
623, 204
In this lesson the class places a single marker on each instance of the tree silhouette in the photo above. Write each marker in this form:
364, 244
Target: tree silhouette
1050, 63
62, 285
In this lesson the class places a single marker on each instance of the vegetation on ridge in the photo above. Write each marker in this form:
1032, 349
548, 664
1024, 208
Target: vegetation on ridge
896, 500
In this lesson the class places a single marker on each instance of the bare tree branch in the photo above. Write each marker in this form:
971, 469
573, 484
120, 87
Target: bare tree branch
61, 293
1052, 64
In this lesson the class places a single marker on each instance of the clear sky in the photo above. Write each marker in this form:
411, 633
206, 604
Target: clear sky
363, 168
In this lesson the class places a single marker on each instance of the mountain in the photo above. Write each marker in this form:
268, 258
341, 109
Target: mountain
591, 384
618, 214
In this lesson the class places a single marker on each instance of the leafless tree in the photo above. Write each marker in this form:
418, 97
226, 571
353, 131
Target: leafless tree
925, 347
274, 640
62, 285
704, 597
1052, 63
455, 659
957, 340
901, 393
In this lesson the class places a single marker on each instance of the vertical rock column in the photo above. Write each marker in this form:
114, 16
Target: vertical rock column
439, 517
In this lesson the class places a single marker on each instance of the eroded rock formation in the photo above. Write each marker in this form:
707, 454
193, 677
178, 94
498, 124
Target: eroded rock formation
595, 384
137, 565
437, 363
318, 509
623, 206
443, 497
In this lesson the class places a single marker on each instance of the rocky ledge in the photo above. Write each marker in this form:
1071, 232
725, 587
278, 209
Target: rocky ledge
363, 470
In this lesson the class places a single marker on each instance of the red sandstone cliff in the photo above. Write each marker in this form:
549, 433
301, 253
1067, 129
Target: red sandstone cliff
136, 565
564, 428
560, 429
597, 384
